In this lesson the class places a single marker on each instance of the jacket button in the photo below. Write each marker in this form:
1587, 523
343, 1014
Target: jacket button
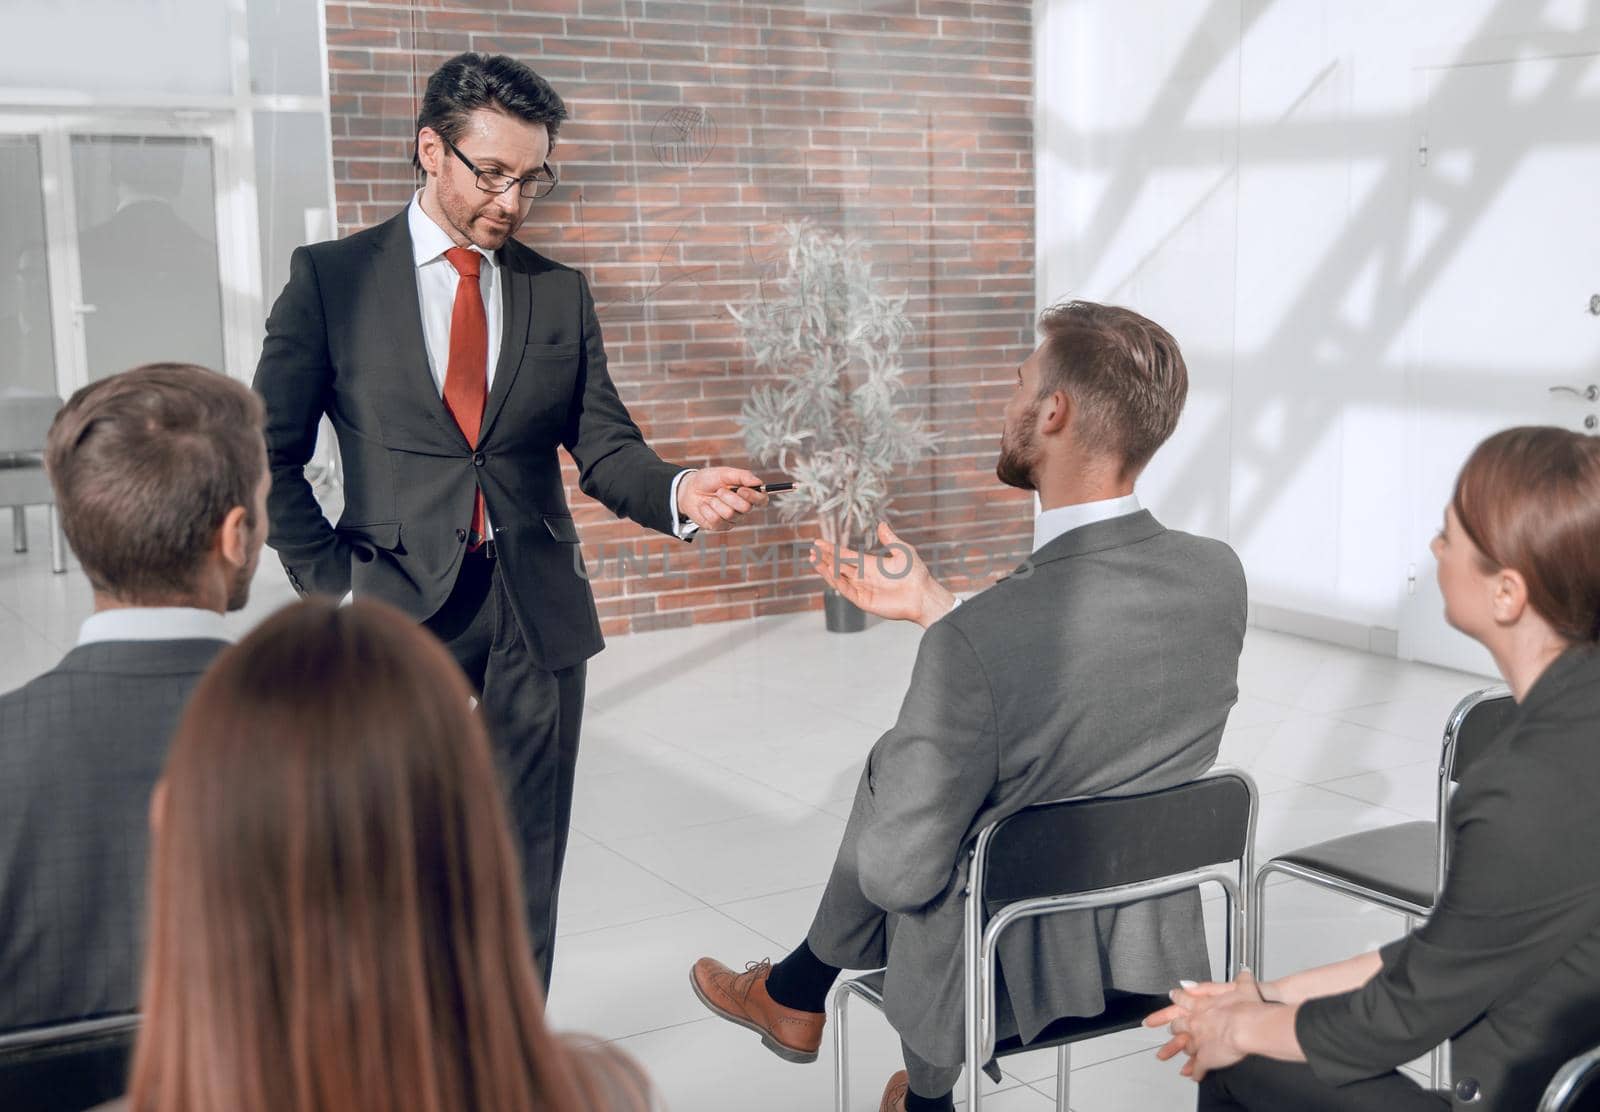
461, 535
477, 459
1467, 1091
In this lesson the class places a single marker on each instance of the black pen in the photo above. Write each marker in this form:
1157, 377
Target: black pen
770, 488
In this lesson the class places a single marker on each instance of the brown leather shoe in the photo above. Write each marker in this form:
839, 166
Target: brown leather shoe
742, 998
894, 1094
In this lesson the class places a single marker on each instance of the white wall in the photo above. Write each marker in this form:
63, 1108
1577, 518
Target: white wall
1240, 171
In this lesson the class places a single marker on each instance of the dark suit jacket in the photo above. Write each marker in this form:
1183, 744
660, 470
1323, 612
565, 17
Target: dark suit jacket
81, 747
345, 338
1508, 966
1109, 669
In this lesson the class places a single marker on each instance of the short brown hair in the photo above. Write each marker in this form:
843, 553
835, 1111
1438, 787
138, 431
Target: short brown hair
1123, 372
1529, 499
145, 466
336, 917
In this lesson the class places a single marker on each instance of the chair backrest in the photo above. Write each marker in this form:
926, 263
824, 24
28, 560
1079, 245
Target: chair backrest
1082, 845
1476, 721
25, 419
66, 1068
1575, 1086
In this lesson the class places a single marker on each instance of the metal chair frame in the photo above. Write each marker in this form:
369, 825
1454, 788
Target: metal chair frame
981, 943
1570, 1081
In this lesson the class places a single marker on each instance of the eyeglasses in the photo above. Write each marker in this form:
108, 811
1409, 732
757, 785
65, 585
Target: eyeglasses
535, 185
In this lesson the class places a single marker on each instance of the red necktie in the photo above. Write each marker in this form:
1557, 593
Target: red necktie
467, 376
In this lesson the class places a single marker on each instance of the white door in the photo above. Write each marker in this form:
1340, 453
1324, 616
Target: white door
144, 219
28, 356
139, 245
1505, 253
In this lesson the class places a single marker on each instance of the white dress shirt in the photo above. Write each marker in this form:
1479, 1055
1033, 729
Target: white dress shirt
1051, 524
436, 297
153, 623
436, 292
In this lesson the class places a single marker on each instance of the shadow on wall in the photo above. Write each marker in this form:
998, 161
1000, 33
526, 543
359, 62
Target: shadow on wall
1269, 405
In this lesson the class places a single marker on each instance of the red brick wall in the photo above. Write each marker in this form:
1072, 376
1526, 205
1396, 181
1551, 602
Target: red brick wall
907, 123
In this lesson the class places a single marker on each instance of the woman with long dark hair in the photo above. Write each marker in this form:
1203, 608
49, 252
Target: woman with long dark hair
335, 921
1507, 968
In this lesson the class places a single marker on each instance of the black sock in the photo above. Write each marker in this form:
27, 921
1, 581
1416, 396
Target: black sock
801, 981
914, 1103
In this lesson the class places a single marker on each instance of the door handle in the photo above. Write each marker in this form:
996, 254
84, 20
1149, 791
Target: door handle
80, 310
1590, 393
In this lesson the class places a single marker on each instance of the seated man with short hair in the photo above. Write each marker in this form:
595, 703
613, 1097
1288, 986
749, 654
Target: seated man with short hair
160, 476
1106, 665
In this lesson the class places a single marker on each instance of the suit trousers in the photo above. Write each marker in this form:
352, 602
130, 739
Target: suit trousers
533, 717
1267, 1085
852, 932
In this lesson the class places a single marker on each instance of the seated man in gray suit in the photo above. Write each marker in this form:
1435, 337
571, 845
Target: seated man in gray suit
1105, 665
160, 476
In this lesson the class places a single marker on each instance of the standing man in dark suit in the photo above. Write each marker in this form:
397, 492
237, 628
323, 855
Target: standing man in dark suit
453, 362
161, 479
1105, 666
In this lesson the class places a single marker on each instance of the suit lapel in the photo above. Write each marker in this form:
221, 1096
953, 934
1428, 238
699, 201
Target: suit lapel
396, 280
516, 300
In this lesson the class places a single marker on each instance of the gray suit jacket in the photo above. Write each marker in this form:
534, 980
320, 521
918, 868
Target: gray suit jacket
1105, 666
81, 747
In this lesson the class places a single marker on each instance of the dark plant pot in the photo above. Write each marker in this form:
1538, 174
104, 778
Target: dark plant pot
842, 615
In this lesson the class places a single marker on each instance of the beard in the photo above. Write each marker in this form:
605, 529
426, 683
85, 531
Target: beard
1018, 452
480, 225
239, 589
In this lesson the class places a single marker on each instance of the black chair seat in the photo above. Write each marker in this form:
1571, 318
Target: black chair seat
80, 1069
1401, 861
1124, 1011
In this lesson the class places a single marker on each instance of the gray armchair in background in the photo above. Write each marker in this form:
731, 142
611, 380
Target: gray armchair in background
25, 417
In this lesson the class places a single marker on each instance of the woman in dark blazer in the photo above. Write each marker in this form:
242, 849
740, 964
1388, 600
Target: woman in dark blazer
1507, 968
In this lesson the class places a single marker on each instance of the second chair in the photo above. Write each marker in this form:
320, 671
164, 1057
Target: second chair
1078, 855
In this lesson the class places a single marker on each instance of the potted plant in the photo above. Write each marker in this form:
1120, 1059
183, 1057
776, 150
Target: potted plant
832, 421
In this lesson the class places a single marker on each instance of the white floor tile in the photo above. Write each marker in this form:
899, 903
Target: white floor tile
1309, 926
1422, 717
1310, 748
625, 980
1133, 1083
657, 789
714, 1066
1019, 1099
1411, 789
603, 889
1298, 817
1252, 710
1320, 678
783, 917
28, 652
742, 858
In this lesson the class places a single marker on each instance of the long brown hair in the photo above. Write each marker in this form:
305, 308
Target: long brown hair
336, 920
1529, 499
